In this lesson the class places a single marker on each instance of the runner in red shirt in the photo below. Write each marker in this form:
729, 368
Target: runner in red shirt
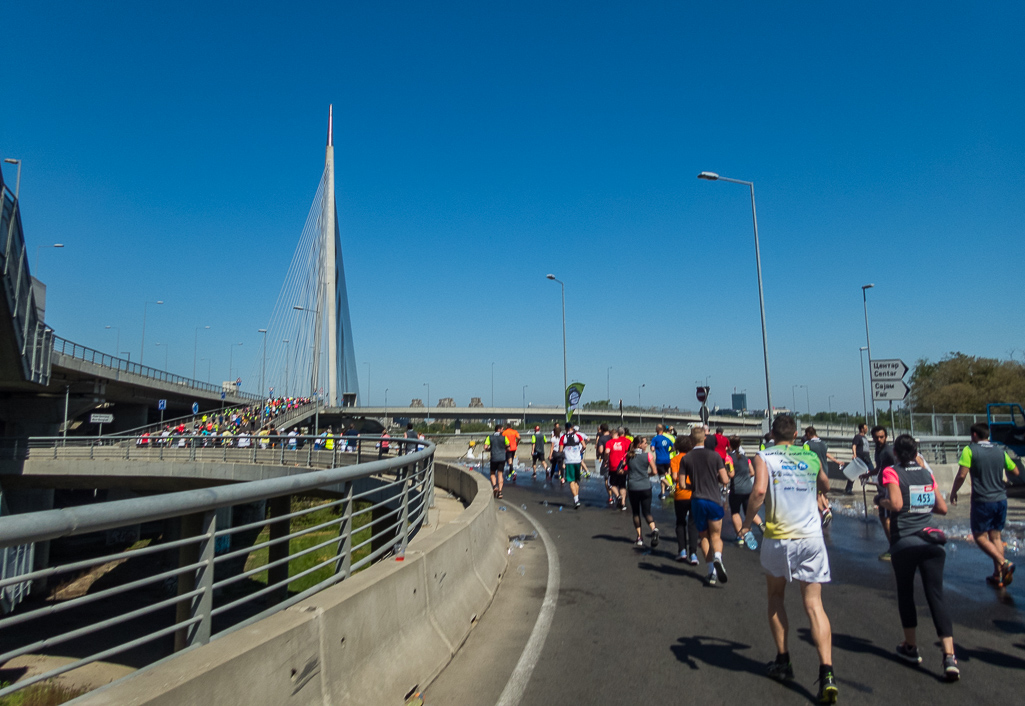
615, 459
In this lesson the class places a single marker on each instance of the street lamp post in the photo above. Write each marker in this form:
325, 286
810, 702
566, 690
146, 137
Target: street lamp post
166, 348
565, 376
195, 348
428, 386
368, 382
207, 368
712, 176
142, 348
525, 406
231, 355
868, 343
386, 425
864, 400
263, 366
285, 341
117, 346
492, 385
639, 403
608, 375
40, 247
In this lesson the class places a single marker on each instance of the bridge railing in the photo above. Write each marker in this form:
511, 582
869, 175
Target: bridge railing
90, 355
165, 573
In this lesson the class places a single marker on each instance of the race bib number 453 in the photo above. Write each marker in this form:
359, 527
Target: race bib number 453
923, 497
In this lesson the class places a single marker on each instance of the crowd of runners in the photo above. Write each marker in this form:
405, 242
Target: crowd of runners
713, 480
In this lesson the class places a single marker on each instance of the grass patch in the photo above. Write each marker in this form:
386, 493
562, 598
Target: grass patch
324, 553
47, 693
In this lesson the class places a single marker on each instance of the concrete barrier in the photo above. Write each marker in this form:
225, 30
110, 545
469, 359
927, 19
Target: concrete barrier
373, 639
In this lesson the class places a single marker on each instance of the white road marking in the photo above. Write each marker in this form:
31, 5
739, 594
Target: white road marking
520, 677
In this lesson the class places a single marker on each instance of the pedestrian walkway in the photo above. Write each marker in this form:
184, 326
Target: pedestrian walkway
634, 626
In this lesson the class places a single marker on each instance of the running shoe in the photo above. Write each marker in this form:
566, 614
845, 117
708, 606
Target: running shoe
995, 581
1007, 573
780, 671
710, 580
950, 670
681, 557
909, 653
623, 507
576, 505
885, 556
654, 538
693, 559
828, 690
739, 541
720, 570
639, 542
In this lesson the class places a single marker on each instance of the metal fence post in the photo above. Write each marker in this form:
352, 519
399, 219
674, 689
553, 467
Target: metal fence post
344, 561
309, 453
334, 456
277, 507
405, 506
359, 450
430, 482
202, 526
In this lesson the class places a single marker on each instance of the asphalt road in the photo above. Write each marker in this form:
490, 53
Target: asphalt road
633, 626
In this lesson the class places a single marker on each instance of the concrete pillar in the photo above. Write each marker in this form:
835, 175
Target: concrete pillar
33, 500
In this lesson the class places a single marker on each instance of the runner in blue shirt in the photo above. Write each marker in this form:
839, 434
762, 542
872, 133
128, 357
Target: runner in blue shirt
662, 445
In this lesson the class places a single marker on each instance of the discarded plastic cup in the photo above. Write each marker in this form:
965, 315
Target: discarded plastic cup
521, 569
524, 507
502, 508
400, 553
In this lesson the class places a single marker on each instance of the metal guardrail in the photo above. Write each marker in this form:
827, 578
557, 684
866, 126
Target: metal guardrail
90, 355
373, 510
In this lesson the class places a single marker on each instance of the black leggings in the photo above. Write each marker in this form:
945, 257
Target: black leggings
640, 503
686, 532
929, 560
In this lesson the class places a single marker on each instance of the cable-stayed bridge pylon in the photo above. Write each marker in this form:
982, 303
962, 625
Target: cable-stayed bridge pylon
309, 348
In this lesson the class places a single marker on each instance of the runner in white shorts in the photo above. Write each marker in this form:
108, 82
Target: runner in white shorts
788, 479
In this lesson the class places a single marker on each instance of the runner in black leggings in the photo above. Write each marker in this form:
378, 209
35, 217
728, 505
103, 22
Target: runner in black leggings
911, 497
686, 531
640, 464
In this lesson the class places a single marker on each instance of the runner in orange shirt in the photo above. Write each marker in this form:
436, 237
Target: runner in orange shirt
513, 438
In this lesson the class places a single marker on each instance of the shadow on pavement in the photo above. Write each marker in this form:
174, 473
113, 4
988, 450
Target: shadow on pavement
1015, 627
613, 538
672, 570
984, 654
724, 654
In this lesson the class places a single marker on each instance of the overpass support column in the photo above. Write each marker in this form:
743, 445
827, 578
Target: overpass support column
201, 578
278, 575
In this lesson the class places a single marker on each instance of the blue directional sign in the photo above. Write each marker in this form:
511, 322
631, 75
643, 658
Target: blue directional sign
162, 404
222, 394
195, 407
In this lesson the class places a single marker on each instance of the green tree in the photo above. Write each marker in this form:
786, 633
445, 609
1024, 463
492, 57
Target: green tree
964, 384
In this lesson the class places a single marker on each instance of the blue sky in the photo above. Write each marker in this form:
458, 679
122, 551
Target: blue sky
175, 151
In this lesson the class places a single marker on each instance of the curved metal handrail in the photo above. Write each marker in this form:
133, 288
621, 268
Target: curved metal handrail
376, 507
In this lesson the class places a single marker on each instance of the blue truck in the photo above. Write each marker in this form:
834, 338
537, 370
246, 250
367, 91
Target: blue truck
1007, 426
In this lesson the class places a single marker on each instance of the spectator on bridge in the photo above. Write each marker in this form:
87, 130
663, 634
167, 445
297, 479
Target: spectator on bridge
382, 445
351, 435
407, 447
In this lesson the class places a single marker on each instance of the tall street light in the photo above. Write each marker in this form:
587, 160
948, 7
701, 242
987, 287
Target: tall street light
864, 400
117, 346
195, 348
368, 382
793, 392
231, 355
40, 247
207, 368
868, 344
142, 348
263, 367
166, 348
712, 176
428, 386
492, 385
608, 375
285, 341
565, 376
639, 403
525, 406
